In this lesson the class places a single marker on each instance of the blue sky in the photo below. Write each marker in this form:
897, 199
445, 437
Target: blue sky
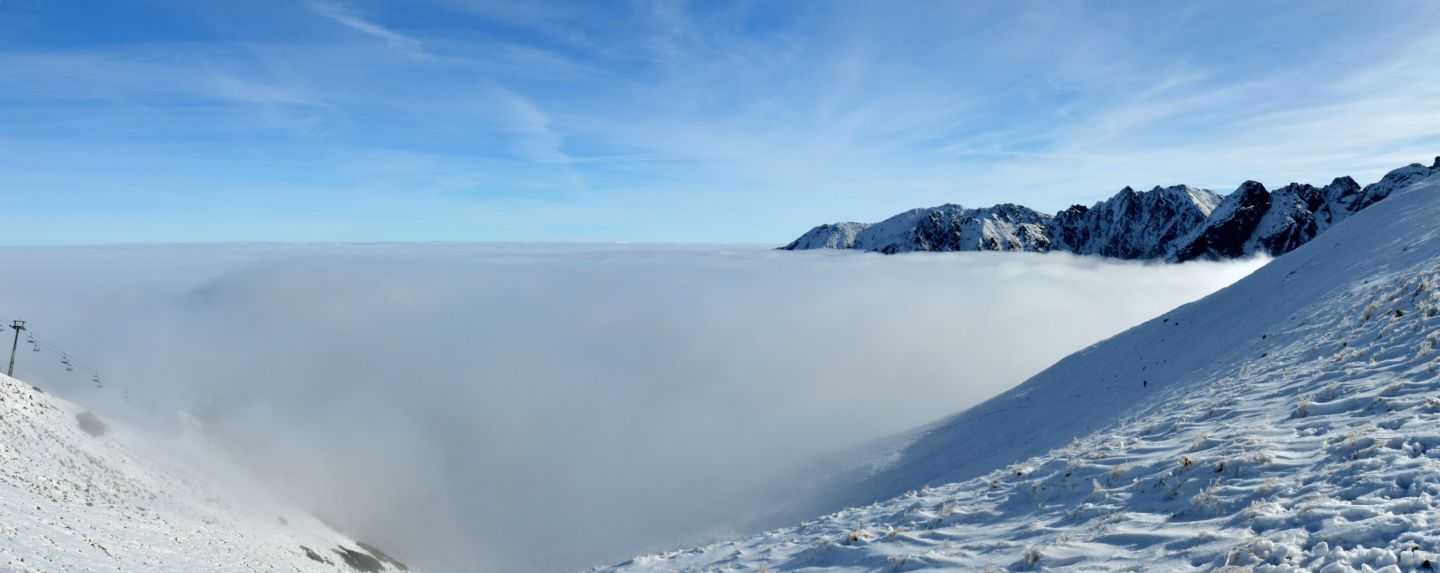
367, 120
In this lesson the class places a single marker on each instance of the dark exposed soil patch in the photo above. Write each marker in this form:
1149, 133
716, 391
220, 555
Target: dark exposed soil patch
383, 557
359, 560
91, 423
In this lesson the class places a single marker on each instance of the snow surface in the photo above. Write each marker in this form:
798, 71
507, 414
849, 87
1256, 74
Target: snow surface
73, 501
836, 236
1290, 422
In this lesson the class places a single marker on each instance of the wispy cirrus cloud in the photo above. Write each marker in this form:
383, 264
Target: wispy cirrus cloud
777, 116
536, 138
343, 14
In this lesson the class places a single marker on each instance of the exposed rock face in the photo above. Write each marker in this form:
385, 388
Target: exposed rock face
1133, 225
1005, 227
945, 228
1227, 230
1299, 212
1177, 223
1070, 227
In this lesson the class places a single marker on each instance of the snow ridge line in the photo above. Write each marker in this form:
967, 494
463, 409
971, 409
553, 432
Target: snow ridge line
1176, 224
1295, 430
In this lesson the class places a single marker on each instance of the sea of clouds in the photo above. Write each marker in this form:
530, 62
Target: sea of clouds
478, 407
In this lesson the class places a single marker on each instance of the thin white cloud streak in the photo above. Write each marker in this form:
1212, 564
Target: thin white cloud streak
536, 140
147, 72
502, 407
699, 121
409, 47
1185, 123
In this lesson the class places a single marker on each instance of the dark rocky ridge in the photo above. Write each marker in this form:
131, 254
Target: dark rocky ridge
1231, 225
1132, 224
963, 230
1178, 223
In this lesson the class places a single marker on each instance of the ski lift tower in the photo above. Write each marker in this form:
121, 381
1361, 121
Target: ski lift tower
18, 325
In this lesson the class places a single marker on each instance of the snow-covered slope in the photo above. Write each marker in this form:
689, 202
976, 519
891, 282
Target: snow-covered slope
77, 494
1178, 223
1290, 422
836, 236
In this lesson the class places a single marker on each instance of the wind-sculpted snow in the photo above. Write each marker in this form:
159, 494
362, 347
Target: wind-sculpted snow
77, 494
1177, 223
1287, 423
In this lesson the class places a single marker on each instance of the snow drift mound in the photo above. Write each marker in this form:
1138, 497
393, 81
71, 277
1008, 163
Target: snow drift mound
77, 494
1290, 422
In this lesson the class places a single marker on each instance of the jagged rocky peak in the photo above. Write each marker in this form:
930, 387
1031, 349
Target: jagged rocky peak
1229, 227
1295, 216
1006, 227
1133, 224
1342, 191
1298, 212
1176, 223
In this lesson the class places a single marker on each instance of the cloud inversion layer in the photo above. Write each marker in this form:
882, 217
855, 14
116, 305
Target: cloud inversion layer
494, 407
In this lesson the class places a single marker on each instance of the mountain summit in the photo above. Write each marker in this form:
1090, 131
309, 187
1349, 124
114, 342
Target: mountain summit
1285, 423
1178, 223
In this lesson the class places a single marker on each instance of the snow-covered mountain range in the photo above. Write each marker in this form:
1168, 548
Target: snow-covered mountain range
1287, 423
1176, 223
80, 494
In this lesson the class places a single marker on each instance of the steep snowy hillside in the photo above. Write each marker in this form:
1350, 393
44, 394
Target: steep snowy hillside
1178, 223
77, 494
1290, 422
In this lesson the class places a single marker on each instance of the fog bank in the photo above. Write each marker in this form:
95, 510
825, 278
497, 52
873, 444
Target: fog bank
483, 407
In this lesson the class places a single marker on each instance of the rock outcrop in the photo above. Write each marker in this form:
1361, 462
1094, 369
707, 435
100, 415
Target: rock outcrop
1178, 223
